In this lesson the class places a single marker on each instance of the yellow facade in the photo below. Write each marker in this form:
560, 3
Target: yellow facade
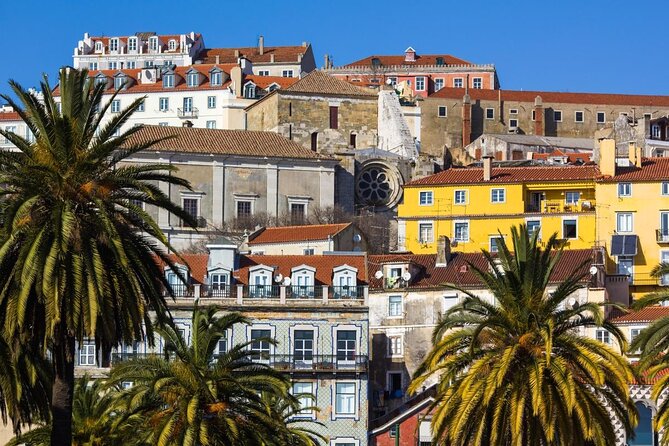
482, 211
641, 210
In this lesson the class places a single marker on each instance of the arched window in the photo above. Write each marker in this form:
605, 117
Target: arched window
643, 434
172, 45
249, 91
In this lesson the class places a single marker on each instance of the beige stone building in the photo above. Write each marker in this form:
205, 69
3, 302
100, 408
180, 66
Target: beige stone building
306, 239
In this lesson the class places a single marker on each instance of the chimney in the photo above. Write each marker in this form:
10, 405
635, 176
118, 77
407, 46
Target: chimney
236, 77
305, 44
187, 123
261, 45
326, 62
218, 59
466, 120
607, 157
271, 58
443, 251
236, 53
538, 116
487, 167
634, 154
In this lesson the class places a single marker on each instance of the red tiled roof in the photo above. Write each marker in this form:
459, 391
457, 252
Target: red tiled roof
196, 263
645, 377
265, 81
645, 315
318, 82
502, 175
9, 116
223, 142
282, 54
571, 157
324, 265
458, 272
305, 233
549, 97
652, 169
421, 59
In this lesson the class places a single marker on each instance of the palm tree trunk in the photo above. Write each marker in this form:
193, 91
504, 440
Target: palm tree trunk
63, 389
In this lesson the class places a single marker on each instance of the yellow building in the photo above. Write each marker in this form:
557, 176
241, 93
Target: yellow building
471, 206
633, 215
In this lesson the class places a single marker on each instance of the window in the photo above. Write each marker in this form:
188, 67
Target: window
250, 91
87, 353
92, 66
308, 251
211, 124
188, 105
601, 117
395, 346
557, 115
148, 63
534, 115
395, 306
163, 124
190, 205
513, 111
626, 266
578, 116
664, 279
441, 111
345, 399
192, 79
665, 188
244, 209
211, 101
352, 143
314, 141
569, 228
164, 104
216, 78
141, 106
168, 81
420, 83
297, 213
218, 281
624, 222
223, 343
513, 123
461, 231
664, 228
260, 346
113, 44
334, 117
153, 43
116, 106
425, 233
494, 243
346, 340
498, 195
113, 65
572, 197
131, 64
263, 72
303, 345
655, 131
457, 82
460, 197
304, 392
477, 83
394, 384
132, 44
490, 113
287, 73
98, 47
533, 226
603, 336
624, 189
172, 45
425, 198
634, 332
438, 84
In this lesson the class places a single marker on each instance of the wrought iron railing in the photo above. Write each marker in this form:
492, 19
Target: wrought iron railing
188, 113
347, 292
262, 292
662, 235
181, 290
218, 291
304, 292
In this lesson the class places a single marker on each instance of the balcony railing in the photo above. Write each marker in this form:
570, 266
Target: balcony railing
181, 290
188, 113
218, 291
304, 292
347, 292
262, 292
559, 206
662, 235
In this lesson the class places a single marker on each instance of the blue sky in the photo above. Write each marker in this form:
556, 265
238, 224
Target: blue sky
593, 46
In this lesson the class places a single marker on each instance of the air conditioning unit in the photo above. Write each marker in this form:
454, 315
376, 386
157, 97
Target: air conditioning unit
513, 130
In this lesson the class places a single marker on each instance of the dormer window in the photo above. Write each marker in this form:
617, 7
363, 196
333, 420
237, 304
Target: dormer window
376, 62
153, 43
440, 61
132, 44
168, 80
192, 79
178, 285
260, 282
113, 44
172, 45
302, 279
219, 282
344, 281
409, 55
101, 79
273, 87
216, 79
98, 47
120, 82
250, 91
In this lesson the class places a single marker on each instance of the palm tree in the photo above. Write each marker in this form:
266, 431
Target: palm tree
518, 371
653, 343
78, 257
189, 396
92, 418
289, 409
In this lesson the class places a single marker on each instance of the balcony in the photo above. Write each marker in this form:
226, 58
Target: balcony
559, 206
347, 292
662, 235
185, 113
304, 292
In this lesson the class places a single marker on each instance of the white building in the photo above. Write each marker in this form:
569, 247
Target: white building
142, 50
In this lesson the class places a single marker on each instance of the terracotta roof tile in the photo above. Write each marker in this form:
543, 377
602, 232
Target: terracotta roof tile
9, 116
284, 234
646, 315
421, 59
652, 169
265, 81
324, 265
282, 54
501, 175
224, 142
571, 156
549, 97
459, 273
196, 263
318, 82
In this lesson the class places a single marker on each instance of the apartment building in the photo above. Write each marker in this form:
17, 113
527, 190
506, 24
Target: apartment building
305, 239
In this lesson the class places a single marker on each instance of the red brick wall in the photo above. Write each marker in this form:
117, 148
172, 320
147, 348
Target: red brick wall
408, 433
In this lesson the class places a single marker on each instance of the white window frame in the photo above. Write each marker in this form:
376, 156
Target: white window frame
439, 83
171, 45
535, 219
455, 237
490, 239
622, 186
192, 79
99, 47
113, 65
513, 123
492, 195
631, 268
116, 106
250, 90
92, 66
113, 45
287, 73
493, 113
629, 221
450, 300
131, 64
567, 197
603, 336
216, 79
142, 106
513, 111
153, 43
554, 115
576, 116
420, 83
562, 227
427, 194
210, 124
356, 402
84, 352
132, 43
664, 280
339, 441
603, 115
420, 232
244, 199
394, 305
390, 351
263, 72
168, 80
477, 83
272, 330
441, 108
211, 101
458, 80
198, 201
164, 101
309, 414
455, 197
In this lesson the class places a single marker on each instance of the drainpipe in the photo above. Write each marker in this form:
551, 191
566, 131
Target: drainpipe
397, 434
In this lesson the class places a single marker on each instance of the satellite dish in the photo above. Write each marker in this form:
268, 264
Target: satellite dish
278, 278
389, 82
406, 276
378, 274
287, 281
357, 238
573, 303
593, 270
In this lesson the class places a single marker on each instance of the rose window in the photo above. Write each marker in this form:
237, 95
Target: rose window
378, 185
